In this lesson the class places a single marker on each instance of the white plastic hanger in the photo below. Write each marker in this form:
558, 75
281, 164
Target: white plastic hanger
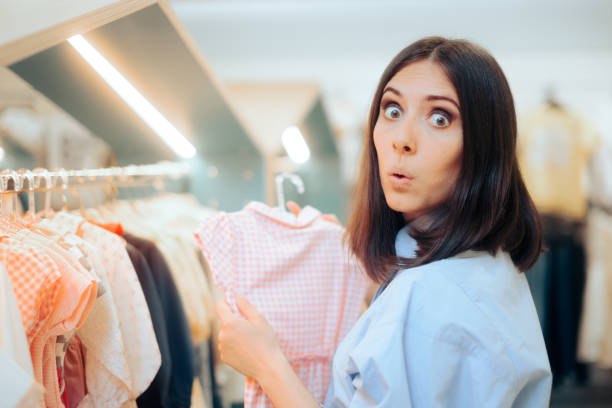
280, 195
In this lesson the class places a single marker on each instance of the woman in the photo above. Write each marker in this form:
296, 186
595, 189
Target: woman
443, 221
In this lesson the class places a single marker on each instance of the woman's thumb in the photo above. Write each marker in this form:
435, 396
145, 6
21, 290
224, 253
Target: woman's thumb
294, 208
247, 309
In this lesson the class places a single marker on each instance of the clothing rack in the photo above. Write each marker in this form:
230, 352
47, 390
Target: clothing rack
30, 181
605, 208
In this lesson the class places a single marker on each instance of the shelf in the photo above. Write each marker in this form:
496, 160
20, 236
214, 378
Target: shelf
146, 43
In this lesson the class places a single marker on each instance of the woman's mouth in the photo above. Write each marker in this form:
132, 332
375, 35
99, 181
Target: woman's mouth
400, 180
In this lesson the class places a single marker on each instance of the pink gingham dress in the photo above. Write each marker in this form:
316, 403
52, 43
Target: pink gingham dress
297, 273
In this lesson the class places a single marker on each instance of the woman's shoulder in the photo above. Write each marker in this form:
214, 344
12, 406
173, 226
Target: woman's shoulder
473, 296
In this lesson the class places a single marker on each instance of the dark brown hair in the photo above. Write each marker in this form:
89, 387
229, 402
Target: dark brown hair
489, 207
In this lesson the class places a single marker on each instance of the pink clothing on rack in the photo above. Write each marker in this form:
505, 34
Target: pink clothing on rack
62, 309
74, 366
297, 273
139, 341
106, 362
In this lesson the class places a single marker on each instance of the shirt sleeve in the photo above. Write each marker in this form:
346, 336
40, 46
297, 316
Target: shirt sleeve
409, 367
216, 239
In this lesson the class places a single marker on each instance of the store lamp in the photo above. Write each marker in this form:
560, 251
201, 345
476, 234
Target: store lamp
152, 117
295, 145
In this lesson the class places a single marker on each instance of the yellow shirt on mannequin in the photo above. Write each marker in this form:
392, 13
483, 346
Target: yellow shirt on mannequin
554, 148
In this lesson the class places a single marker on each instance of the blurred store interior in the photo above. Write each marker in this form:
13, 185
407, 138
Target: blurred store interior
247, 81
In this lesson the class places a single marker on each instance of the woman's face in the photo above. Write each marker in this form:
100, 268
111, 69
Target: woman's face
418, 139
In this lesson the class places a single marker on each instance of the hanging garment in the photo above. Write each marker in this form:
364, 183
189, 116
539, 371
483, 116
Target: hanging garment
595, 342
36, 282
71, 249
17, 385
553, 148
297, 273
140, 345
168, 221
109, 375
74, 374
156, 394
60, 312
565, 267
600, 169
181, 354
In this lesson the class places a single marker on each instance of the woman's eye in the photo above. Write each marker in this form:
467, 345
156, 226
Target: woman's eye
439, 120
393, 112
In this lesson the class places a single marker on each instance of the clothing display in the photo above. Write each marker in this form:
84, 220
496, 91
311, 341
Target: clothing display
555, 151
481, 346
600, 180
17, 384
168, 220
181, 356
74, 373
158, 389
162, 228
101, 322
557, 283
297, 273
554, 147
595, 341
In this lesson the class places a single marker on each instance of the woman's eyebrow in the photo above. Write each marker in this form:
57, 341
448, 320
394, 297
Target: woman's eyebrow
429, 98
392, 90
443, 98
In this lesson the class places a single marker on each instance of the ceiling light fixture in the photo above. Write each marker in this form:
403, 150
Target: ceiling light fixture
295, 145
160, 125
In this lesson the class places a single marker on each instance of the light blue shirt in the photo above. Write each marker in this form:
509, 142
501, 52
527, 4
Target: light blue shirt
460, 332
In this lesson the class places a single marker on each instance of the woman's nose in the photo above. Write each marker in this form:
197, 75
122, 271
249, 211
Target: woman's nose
405, 140
402, 146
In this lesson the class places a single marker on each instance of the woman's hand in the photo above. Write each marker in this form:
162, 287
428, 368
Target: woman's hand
295, 209
250, 346
247, 344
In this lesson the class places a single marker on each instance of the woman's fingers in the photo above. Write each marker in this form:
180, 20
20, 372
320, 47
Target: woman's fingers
224, 312
247, 309
294, 208
245, 344
331, 218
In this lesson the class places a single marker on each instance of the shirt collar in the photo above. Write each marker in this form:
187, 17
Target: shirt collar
305, 218
405, 245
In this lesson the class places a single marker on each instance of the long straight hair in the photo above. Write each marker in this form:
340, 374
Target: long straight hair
489, 207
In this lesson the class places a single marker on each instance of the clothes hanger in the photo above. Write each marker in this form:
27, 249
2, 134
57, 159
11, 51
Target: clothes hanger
280, 194
550, 98
40, 174
75, 193
9, 199
4, 184
33, 183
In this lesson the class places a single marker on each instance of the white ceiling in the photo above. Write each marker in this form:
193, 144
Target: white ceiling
345, 45
295, 29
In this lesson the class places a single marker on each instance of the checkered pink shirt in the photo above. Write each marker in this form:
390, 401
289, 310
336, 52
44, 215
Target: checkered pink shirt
297, 273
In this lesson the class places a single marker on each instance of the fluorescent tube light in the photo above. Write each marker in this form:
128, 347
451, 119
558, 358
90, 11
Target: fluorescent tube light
295, 145
133, 98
